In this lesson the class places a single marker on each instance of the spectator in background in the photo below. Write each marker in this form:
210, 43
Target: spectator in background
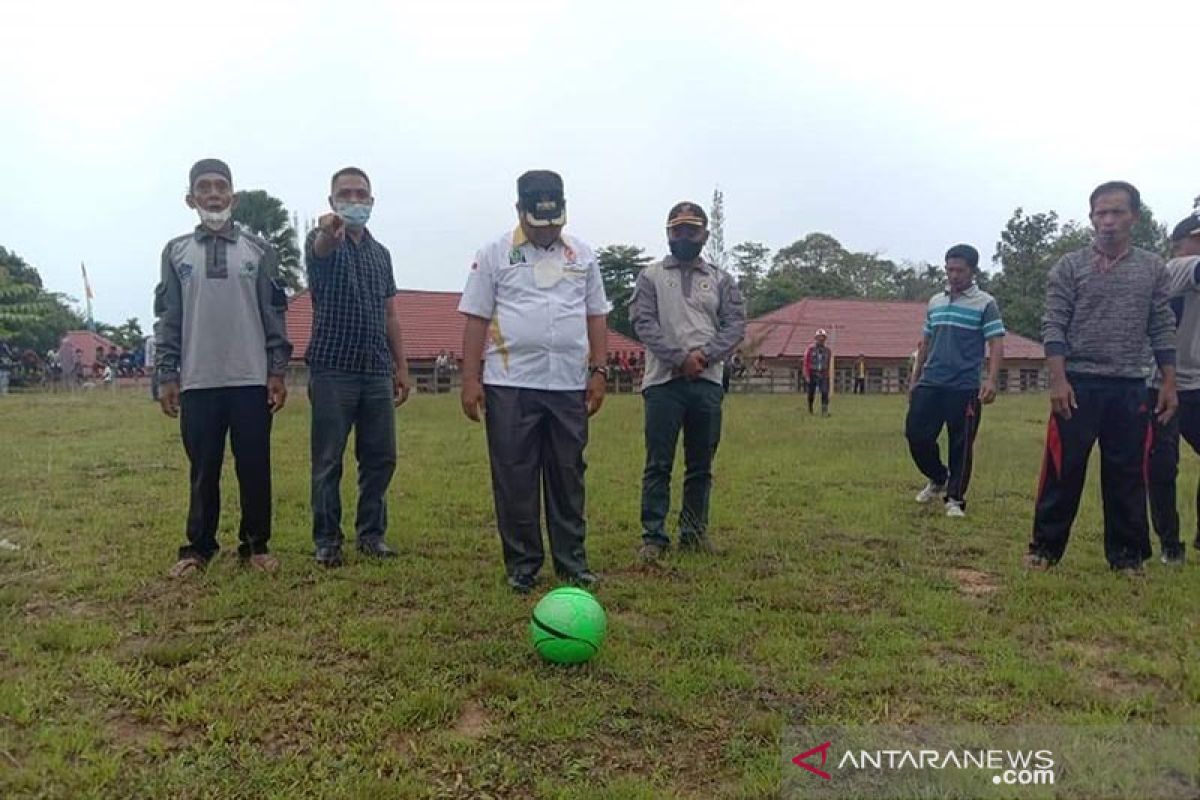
7, 362
860, 375
818, 361
77, 368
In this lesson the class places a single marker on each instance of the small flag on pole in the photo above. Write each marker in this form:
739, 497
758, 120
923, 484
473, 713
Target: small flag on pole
87, 290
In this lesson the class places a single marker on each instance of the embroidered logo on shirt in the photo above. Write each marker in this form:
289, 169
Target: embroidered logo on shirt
249, 269
516, 256
185, 272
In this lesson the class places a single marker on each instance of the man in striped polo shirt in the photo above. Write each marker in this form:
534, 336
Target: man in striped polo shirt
946, 387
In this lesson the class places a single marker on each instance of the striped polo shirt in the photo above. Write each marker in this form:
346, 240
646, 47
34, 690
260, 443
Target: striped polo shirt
956, 329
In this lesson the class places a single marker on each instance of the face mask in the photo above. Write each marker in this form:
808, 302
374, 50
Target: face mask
685, 250
215, 220
354, 214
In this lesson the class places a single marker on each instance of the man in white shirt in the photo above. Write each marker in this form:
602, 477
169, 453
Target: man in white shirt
539, 295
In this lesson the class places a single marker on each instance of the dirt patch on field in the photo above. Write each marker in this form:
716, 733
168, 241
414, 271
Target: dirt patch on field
973, 582
472, 720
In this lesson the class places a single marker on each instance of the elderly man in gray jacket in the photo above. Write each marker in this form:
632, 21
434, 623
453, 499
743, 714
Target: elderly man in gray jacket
690, 316
221, 353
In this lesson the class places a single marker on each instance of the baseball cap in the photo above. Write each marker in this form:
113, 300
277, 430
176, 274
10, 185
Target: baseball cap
687, 213
821, 332
540, 192
1188, 226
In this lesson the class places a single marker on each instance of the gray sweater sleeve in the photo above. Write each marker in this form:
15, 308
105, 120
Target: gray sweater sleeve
1161, 326
643, 313
168, 326
1060, 306
272, 306
731, 321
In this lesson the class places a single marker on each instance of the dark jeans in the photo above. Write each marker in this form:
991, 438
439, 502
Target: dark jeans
860, 385
1115, 412
536, 441
694, 406
1164, 467
205, 416
959, 410
341, 400
818, 383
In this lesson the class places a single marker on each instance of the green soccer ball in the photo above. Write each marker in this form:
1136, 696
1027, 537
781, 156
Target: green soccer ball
567, 626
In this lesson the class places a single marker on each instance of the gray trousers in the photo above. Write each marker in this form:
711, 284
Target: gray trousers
535, 444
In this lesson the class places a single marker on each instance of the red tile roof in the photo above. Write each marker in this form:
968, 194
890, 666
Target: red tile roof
875, 328
429, 322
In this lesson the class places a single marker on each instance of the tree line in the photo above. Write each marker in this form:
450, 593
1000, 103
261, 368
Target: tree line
816, 265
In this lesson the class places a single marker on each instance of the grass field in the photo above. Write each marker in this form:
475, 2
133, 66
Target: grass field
839, 599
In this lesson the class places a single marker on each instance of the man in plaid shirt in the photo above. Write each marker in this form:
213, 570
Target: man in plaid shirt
357, 371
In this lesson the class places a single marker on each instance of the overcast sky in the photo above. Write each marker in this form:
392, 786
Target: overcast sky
900, 128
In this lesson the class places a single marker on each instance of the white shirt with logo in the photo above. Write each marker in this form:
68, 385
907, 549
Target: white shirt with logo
538, 301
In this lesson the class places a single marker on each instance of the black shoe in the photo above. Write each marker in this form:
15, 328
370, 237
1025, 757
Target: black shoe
584, 580
329, 556
376, 550
521, 584
1173, 556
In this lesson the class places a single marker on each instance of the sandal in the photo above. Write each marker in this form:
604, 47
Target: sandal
186, 566
263, 562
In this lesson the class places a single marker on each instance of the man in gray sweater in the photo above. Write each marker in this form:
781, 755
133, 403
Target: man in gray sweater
690, 316
1106, 311
221, 351
1184, 271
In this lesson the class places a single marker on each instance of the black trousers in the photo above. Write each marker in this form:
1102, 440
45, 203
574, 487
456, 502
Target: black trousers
818, 383
860, 385
536, 441
959, 410
695, 408
1115, 412
205, 416
1164, 467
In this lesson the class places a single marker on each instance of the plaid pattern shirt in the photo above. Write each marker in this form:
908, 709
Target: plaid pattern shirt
351, 289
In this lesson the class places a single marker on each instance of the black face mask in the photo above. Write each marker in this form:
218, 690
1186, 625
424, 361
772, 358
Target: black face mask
685, 249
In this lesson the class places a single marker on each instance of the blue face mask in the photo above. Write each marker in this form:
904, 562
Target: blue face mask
355, 214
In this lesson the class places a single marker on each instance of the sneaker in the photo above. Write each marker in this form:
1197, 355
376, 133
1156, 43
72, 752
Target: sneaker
954, 508
522, 583
931, 492
1036, 562
1173, 557
651, 552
